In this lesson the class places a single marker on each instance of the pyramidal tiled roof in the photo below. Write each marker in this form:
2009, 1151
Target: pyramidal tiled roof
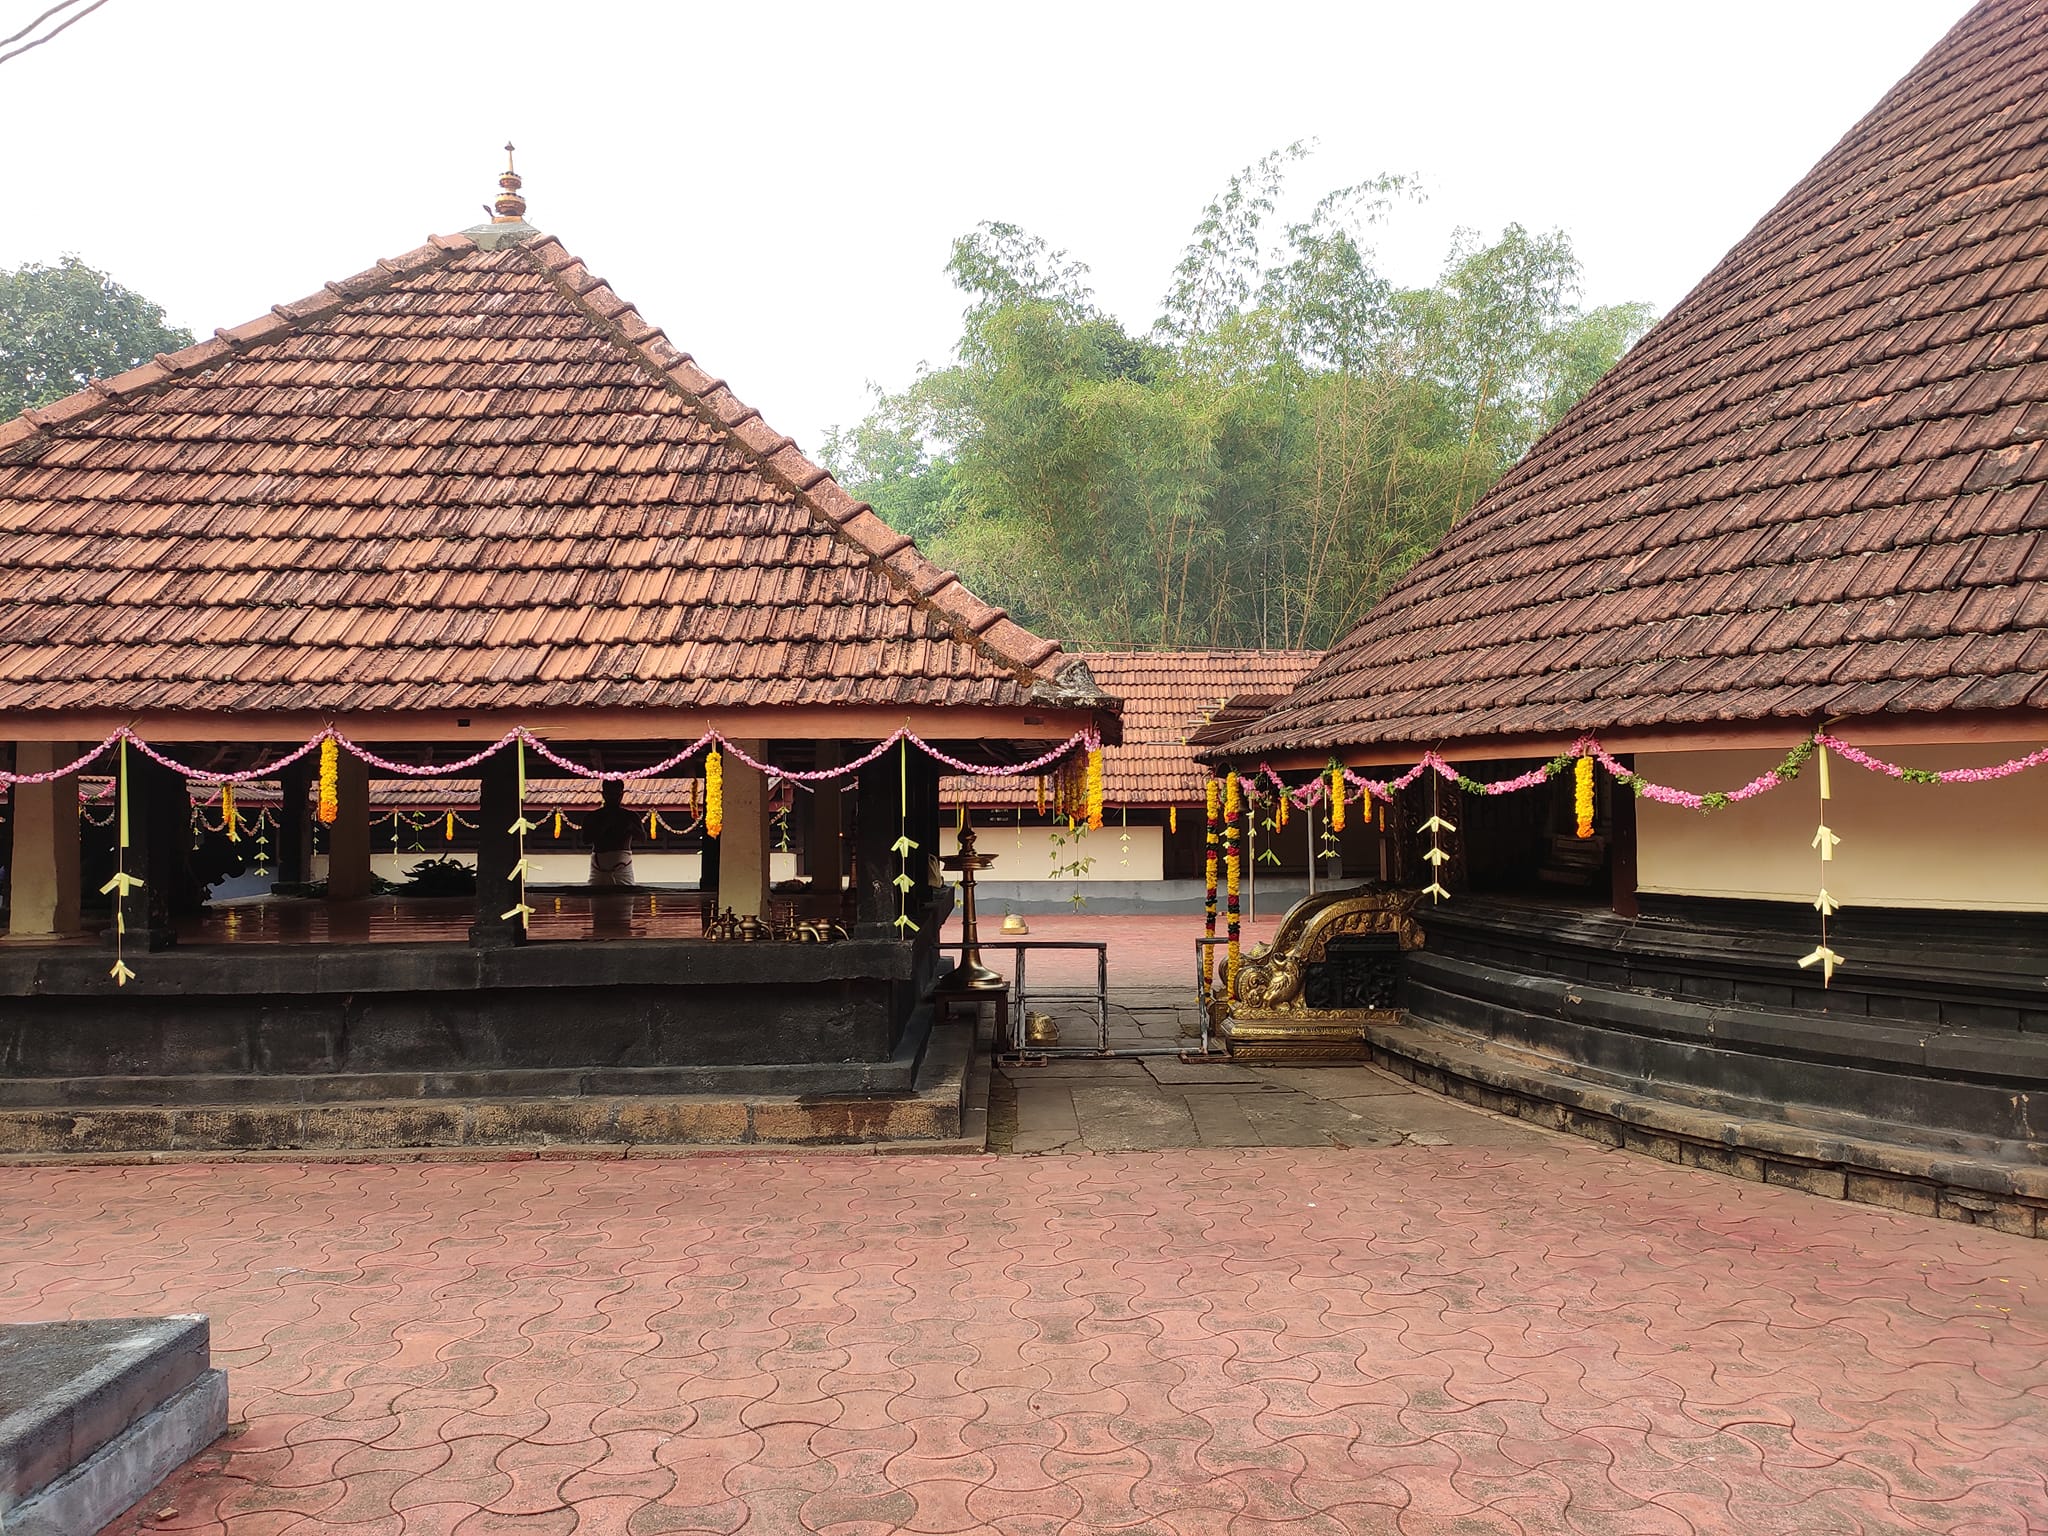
467, 478
1816, 488
1167, 696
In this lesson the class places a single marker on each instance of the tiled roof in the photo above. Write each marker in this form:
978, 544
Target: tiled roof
1167, 695
1815, 488
464, 479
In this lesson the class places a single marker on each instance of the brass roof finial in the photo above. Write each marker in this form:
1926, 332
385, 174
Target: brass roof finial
510, 207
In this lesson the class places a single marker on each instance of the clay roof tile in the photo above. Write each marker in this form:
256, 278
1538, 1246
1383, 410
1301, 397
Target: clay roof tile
1840, 436
461, 479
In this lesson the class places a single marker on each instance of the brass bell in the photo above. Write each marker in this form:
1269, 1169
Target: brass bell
1040, 1030
1012, 923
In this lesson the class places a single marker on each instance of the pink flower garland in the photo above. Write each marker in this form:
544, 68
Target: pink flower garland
2005, 770
1315, 792
1088, 740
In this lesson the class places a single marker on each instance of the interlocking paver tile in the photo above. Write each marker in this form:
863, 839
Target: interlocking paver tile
1217, 1340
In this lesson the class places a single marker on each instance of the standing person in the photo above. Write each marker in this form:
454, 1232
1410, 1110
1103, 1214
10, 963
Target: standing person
609, 832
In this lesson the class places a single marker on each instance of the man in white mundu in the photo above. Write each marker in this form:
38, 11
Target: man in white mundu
609, 832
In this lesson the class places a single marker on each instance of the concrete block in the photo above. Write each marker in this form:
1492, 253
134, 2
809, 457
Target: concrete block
1895, 1194
384, 1125
704, 1121
1831, 1182
96, 1413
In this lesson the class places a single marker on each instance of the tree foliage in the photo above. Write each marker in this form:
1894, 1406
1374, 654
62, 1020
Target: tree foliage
62, 327
1291, 435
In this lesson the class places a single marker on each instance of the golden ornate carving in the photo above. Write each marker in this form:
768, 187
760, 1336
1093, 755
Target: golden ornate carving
1268, 1018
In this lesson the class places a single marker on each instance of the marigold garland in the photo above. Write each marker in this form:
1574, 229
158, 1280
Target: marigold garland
330, 779
1212, 804
1173, 818
1095, 789
1336, 798
1582, 795
449, 834
230, 823
714, 793
1233, 809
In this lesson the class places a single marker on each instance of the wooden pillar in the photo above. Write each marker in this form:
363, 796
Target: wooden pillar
823, 861
1621, 845
159, 834
923, 776
497, 852
743, 844
295, 824
348, 835
875, 829
44, 864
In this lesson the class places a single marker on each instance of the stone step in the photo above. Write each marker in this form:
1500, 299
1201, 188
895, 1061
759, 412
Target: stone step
95, 1413
1759, 1145
933, 1107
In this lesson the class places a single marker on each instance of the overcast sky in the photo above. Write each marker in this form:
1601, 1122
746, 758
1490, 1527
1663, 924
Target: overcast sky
777, 185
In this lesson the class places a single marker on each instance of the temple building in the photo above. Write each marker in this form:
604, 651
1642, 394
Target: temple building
1148, 856
1771, 604
466, 513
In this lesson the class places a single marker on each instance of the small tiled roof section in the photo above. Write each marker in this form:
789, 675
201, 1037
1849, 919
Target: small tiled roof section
467, 478
1167, 698
1815, 489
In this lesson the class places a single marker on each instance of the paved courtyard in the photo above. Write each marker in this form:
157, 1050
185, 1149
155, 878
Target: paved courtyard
1376, 1338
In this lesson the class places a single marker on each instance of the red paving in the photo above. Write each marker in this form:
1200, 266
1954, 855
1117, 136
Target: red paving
1145, 949
1412, 1340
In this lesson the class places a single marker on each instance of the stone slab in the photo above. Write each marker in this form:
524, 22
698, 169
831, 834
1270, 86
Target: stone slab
124, 1470
69, 1387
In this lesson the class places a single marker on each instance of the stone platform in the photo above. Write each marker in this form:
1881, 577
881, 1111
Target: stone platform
95, 1413
1694, 1035
337, 1047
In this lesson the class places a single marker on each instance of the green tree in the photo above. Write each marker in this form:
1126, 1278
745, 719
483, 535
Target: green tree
1292, 435
62, 327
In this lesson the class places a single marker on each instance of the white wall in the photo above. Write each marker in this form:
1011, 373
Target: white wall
567, 868
1028, 853
1979, 846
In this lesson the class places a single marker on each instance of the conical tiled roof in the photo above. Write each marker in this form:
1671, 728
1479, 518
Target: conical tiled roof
467, 479
1816, 488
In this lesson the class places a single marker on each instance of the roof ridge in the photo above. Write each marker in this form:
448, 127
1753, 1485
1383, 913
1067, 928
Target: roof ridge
20, 437
981, 626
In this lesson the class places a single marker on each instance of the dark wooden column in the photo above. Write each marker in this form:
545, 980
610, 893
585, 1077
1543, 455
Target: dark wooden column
295, 823
159, 837
924, 827
822, 858
876, 818
497, 851
1621, 844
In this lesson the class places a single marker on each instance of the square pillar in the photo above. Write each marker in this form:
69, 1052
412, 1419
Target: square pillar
497, 853
159, 841
743, 843
822, 855
878, 820
348, 836
294, 824
44, 868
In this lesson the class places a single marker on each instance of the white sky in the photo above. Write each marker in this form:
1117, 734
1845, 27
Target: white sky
777, 185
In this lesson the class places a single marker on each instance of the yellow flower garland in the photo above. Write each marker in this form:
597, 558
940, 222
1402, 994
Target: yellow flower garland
227, 813
1582, 795
1336, 798
330, 779
1095, 789
714, 793
1173, 818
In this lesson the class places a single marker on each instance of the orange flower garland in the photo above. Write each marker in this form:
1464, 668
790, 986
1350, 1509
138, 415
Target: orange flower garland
330, 779
714, 793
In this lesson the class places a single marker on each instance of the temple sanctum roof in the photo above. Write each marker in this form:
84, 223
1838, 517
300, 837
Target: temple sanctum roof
469, 478
1814, 489
1167, 697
